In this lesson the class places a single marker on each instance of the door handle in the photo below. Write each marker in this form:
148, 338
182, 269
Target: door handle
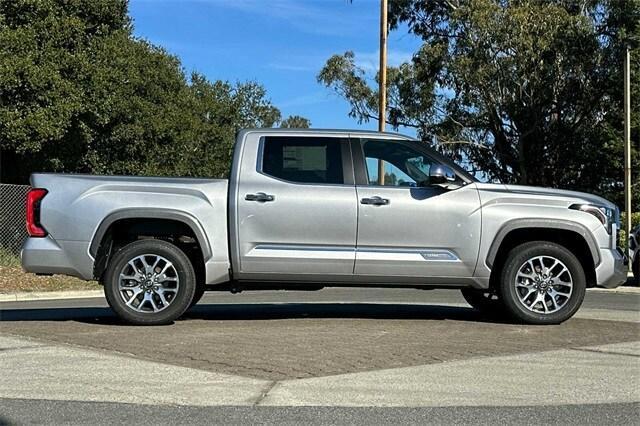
261, 197
375, 201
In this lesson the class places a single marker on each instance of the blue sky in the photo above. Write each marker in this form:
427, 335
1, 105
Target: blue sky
281, 44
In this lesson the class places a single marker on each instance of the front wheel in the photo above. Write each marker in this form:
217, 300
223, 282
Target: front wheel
542, 283
149, 282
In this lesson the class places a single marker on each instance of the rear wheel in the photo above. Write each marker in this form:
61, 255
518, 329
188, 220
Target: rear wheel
542, 283
149, 282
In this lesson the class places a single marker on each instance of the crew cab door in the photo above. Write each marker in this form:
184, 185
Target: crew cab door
296, 208
409, 230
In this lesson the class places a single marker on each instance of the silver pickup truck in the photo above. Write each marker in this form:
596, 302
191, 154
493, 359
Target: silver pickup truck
306, 209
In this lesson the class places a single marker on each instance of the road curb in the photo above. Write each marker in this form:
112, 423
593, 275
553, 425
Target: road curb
50, 295
623, 290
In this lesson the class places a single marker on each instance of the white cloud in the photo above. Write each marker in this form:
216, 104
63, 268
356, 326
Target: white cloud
293, 67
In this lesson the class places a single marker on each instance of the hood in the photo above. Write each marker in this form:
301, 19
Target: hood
550, 192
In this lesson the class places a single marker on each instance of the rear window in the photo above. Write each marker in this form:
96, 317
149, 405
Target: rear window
303, 160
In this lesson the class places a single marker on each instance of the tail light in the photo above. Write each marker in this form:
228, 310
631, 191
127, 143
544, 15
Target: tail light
34, 197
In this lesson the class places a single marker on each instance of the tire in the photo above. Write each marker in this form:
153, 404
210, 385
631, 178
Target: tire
485, 301
197, 295
550, 275
636, 269
174, 278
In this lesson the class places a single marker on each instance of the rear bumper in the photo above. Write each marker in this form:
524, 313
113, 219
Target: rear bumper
613, 268
48, 256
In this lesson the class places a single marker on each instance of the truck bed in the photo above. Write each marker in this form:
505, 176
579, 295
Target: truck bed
77, 207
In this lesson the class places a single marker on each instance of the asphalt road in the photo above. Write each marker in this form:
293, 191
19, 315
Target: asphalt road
64, 412
600, 299
419, 356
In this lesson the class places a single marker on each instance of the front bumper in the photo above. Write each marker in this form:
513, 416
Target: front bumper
613, 268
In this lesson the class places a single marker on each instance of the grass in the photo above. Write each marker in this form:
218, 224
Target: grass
7, 258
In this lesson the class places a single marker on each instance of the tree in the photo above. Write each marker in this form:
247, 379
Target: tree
295, 122
525, 91
79, 93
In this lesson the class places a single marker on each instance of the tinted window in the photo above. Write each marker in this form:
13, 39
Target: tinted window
403, 165
304, 160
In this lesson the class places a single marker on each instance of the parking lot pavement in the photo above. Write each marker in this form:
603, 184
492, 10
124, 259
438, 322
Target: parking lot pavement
310, 337
399, 348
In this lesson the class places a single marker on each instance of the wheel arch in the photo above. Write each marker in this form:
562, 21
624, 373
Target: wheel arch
175, 220
571, 235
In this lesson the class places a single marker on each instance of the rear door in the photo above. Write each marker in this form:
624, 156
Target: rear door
297, 209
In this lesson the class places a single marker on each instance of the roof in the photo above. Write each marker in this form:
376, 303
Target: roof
328, 131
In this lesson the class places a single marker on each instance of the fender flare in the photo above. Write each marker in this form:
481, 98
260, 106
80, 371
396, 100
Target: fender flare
559, 224
152, 213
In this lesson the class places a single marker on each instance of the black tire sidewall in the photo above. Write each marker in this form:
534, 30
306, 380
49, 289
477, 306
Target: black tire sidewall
197, 295
516, 259
184, 269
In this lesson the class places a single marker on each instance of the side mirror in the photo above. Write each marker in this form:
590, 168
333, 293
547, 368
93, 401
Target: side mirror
439, 174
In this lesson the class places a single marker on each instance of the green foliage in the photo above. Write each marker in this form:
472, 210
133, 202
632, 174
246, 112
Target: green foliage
78, 93
295, 122
7, 258
525, 91
635, 221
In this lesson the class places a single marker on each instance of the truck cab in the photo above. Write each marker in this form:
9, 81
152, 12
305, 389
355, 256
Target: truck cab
344, 224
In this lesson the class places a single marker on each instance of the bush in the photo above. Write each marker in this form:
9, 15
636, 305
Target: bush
635, 221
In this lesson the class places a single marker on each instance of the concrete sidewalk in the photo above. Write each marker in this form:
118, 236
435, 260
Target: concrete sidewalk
576, 376
50, 295
582, 375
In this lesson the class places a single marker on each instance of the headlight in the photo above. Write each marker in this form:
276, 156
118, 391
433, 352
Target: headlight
607, 216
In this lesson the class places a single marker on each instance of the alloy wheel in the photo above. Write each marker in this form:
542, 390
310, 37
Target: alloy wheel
148, 283
543, 284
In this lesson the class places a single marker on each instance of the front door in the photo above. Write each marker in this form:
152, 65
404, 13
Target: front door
407, 229
297, 210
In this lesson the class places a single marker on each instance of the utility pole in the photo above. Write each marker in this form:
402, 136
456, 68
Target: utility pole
627, 142
382, 107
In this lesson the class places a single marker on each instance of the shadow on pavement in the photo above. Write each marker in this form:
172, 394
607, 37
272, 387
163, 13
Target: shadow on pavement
263, 311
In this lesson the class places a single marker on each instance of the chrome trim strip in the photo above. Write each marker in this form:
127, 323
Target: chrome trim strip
368, 253
275, 251
407, 255
290, 247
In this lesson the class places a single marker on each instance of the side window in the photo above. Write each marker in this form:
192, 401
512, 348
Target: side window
402, 165
303, 159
